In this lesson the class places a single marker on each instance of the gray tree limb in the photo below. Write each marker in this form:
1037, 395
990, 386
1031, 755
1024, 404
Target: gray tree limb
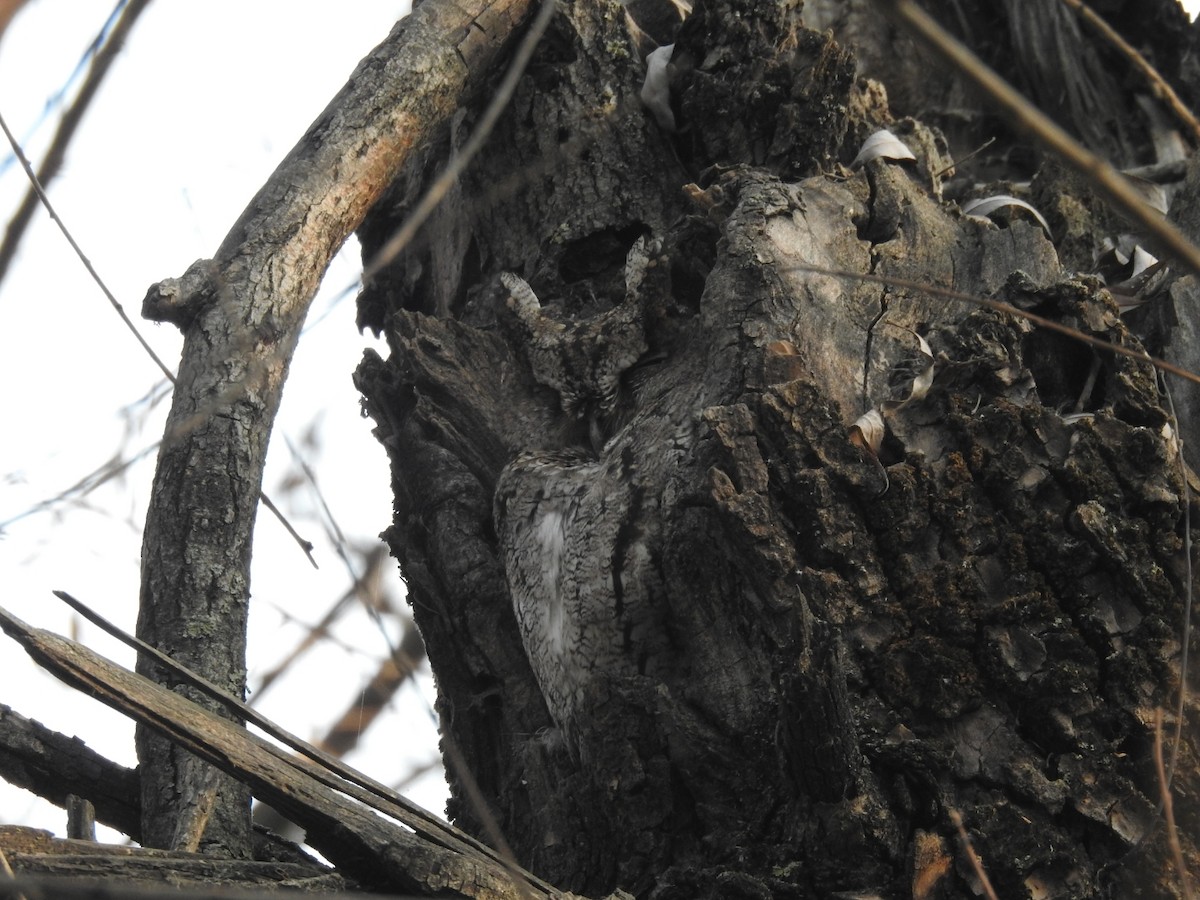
241, 315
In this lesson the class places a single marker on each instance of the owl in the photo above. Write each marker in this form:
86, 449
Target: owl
574, 540
575, 524
583, 361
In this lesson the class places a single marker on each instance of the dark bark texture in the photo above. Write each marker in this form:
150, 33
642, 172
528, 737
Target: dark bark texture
691, 639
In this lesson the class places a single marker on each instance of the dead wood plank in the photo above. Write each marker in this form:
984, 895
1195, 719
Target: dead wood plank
363, 845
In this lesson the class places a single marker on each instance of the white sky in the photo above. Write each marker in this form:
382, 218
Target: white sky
204, 101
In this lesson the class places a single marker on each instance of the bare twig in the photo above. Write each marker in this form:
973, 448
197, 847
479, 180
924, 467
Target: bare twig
53, 160
303, 543
85, 485
1106, 180
40, 192
1168, 807
972, 856
958, 162
344, 734
333, 529
1007, 308
114, 468
315, 632
87, 263
490, 826
1158, 84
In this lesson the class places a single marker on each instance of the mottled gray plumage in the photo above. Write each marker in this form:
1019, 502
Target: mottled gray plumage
583, 361
572, 523
579, 572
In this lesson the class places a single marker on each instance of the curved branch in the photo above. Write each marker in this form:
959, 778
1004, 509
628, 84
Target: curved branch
241, 326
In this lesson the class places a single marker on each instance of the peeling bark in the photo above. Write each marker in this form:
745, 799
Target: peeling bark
834, 650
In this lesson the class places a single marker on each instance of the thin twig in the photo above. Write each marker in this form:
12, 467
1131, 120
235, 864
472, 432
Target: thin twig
459, 162
1107, 180
490, 826
333, 529
84, 485
971, 155
1007, 308
1158, 84
1168, 807
972, 856
313, 633
120, 310
7, 872
304, 545
112, 469
53, 160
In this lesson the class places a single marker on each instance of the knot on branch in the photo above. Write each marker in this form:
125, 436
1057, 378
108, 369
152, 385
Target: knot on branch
180, 300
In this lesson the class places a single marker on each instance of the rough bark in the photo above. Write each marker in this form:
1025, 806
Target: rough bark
806, 656
241, 314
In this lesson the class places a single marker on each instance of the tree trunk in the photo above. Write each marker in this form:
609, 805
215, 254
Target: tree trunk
691, 637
